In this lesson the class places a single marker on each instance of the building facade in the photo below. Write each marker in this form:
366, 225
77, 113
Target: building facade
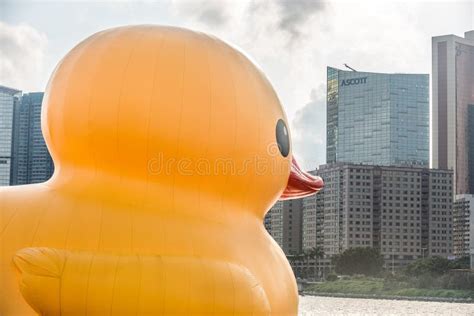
377, 118
463, 225
313, 222
284, 223
313, 237
453, 108
273, 222
32, 162
405, 212
8, 102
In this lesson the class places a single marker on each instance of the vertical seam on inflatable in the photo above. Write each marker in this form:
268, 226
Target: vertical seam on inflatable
140, 269
131, 210
40, 219
179, 125
234, 96
206, 148
259, 120
71, 211
4, 229
88, 281
233, 286
114, 284
73, 66
80, 47
89, 104
203, 269
155, 71
61, 283
135, 41
138, 39
163, 277
101, 224
236, 106
241, 60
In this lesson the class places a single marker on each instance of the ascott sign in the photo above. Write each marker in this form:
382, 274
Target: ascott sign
353, 81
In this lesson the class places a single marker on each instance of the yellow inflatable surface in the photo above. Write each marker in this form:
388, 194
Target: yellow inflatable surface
169, 147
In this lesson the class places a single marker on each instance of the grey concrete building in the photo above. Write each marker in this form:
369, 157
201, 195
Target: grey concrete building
452, 125
274, 222
284, 222
313, 222
8, 100
463, 225
405, 212
313, 237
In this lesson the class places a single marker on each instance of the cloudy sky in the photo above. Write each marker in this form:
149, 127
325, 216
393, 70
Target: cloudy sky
292, 41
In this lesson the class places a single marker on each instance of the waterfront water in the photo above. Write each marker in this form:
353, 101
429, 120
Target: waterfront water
317, 305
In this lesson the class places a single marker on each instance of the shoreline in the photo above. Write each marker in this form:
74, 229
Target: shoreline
391, 297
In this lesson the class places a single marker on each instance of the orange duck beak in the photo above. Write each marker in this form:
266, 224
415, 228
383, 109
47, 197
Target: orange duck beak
300, 183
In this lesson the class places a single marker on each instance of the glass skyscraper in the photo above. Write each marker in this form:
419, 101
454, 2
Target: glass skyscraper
377, 119
453, 108
8, 100
32, 162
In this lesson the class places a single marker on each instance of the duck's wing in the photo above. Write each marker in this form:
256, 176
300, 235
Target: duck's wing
59, 282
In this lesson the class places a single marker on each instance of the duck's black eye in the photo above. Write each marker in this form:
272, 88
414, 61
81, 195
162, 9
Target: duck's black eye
282, 138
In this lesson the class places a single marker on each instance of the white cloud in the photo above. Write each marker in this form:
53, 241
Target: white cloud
294, 14
309, 130
214, 13
291, 40
22, 56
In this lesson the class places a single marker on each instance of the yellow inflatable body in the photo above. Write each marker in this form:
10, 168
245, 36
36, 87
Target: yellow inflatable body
169, 147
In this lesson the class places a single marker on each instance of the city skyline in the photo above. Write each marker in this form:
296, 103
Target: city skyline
306, 38
373, 100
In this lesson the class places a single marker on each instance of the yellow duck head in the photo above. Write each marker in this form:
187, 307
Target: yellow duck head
170, 115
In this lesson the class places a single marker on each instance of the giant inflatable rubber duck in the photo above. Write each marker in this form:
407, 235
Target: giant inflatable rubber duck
169, 148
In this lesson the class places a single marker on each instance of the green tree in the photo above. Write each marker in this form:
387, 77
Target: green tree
433, 266
439, 272
314, 253
367, 261
300, 261
308, 254
460, 263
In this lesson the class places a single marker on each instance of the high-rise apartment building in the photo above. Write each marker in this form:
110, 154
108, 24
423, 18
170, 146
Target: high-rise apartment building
313, 222
284, 222
377, 118
8, 101
463, 225
453, 108
273, 222
32, 162
405, 212
313, 237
